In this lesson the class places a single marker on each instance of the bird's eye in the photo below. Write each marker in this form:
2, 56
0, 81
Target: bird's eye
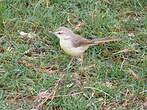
59, 32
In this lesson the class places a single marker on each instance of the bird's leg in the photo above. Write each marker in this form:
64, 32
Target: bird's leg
69, 64
80, 59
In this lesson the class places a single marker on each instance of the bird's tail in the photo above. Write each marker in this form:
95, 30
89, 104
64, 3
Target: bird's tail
103, 40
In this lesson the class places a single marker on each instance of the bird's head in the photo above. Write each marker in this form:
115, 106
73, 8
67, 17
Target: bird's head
63, 33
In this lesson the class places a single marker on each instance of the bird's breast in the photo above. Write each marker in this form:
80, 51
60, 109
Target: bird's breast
68, 47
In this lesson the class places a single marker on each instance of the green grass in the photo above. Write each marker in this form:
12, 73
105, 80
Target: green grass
110, 79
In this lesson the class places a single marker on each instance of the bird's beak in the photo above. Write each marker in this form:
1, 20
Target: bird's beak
52, 32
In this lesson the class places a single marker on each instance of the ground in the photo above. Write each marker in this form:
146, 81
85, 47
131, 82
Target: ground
112, 75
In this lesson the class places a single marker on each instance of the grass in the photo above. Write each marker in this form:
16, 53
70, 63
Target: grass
112, 75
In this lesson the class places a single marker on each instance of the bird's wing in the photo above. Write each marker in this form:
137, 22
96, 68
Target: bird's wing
78, 41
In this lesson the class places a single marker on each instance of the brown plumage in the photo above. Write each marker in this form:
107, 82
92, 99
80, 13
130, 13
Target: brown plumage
76, 45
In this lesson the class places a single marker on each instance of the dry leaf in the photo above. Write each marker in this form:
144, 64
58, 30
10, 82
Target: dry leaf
29, 35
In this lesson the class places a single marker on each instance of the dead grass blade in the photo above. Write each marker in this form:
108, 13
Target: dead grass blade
127, 50
132, 74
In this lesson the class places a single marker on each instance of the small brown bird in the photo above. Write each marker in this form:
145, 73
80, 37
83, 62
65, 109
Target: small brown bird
74, 44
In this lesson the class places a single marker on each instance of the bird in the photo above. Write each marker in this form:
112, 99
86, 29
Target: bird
75, 45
